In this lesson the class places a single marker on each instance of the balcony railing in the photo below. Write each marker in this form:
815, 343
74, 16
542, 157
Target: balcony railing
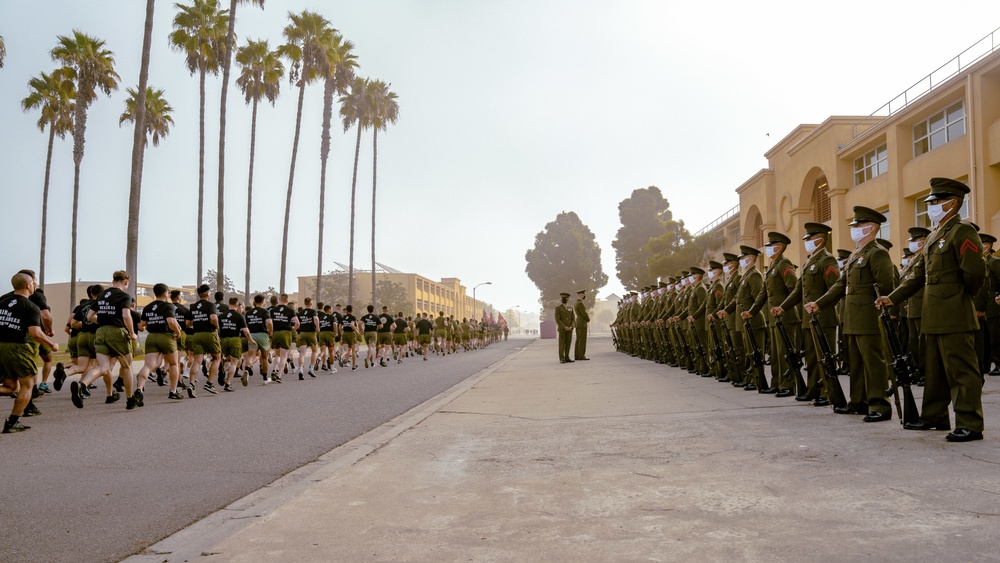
720, 220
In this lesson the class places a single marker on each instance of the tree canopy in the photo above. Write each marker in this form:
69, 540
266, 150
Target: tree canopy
643, 215
566, 258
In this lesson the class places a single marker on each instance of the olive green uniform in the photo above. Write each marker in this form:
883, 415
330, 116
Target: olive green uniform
564, 324
819, 274
779, 281
582, 318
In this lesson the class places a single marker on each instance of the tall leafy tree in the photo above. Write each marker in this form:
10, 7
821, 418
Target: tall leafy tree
677, 249
643, 215
338, 72
3, 50
565, 258
92, 69
260, 76
158, 113
355, 109
200, 29
384, 110
52, 95
226, 69
138, 151
306, 39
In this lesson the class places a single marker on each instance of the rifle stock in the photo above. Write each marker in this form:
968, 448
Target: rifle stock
902, 369
756, 355
793, 358
827, 364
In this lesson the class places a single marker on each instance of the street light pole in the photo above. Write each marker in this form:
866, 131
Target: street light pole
516, 310
474, 311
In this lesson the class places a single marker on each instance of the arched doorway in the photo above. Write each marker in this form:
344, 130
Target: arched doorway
821, 200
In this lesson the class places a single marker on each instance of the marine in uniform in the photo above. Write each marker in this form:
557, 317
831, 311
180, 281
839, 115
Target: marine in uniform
951, 270
819, 273
727, 312
564, 324
779, 281
912, 308
993, 306
581, 319
869, 273
749, 301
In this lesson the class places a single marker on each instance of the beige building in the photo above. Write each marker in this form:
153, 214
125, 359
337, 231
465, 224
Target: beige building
947, 125
426, 295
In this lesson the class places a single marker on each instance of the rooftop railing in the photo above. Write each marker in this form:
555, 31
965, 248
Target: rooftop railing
942, 74
720, 220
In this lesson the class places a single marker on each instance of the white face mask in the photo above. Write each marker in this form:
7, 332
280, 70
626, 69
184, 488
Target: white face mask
770, 251
729, 269
906, 262
711, 275
811, 246
914, 245
936, 212
745, 262
858, 233
842, 263
691, 280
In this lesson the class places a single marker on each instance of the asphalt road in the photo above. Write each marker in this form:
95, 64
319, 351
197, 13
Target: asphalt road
101, 483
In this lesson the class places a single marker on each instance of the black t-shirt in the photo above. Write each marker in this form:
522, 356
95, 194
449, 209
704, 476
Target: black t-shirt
325, 322
257, 320
231, 324
183, 314
110, 304
221, 307
347, 321
78, 316
17, 314
306, 322
424, 326
156, 314
136, 317
385, 319
281, 317
201, 316
38, 298
337, 318
400, 325
369, 323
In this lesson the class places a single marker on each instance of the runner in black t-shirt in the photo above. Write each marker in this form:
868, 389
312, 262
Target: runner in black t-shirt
308, 338
232, 325
424, 328
163, 330
44, 352
285, 321
369, 324
204, 319
384, 336
113, 341
260, 326
338, 331
327, 338
349, 324
399, 340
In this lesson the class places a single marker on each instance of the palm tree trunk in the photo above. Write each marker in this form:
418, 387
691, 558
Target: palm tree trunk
219, 276
354, 183
291, 178
138, 153
324, 154
45, 207
374, 169
253, 143
79, 130
201, 170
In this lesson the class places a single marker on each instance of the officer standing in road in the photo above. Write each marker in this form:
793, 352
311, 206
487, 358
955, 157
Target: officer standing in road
779, 281
951, 270
868, 266
582, 318
564, 324
819, 274
749, 301
913, 307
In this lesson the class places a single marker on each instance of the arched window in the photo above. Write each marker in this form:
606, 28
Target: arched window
821, 201
758, 231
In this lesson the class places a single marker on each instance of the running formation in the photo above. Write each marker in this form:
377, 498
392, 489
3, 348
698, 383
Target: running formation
218, 341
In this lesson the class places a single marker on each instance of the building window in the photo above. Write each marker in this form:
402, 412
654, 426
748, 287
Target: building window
821, 200
942, 127
922, 220
883, 231
872, 164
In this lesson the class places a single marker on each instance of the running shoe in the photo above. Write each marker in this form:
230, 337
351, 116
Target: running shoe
119, 384
222, 377
244, 376
210, 388
312, 374
301, 377
44, 388
60, 376
113, 397
9, 428
175, 395
190, 391
228, 387
159, 376
138, 398
130, 403
31, 410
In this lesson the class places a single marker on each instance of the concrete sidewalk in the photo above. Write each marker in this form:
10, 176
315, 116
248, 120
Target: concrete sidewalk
618, 459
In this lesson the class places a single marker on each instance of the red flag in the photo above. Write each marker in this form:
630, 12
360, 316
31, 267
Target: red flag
503, 321
492, 322
484, 316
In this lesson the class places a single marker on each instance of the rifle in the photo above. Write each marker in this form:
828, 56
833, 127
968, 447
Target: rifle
688, 358
902, 369
720, 359
828, 365
757, 356
701, 351
794, 361
734, 360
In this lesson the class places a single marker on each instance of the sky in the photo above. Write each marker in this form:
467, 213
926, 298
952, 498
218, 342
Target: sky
510, 113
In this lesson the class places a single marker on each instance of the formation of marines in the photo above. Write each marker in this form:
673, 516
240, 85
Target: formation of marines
933, 323
223, 342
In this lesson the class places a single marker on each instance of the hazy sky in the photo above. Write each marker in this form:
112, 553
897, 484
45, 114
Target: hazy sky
510, 112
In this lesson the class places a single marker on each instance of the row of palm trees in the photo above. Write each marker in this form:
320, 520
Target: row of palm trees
204, 33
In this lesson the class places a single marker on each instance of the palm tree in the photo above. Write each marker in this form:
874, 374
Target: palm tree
199, 30
138, 152
53, 95
338, 74
261, 71
158, 114
3, 51
226, 65
355, 108
384, 110
92, 67
306, 40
